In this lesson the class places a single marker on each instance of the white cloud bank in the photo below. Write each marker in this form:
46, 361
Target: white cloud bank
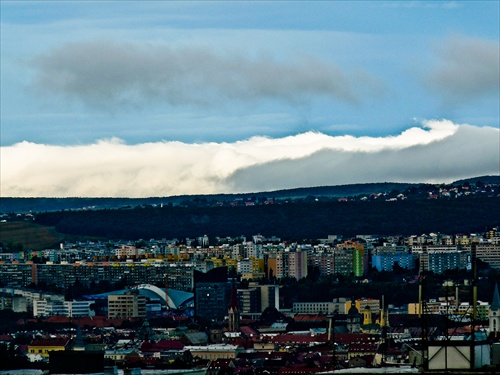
440, 151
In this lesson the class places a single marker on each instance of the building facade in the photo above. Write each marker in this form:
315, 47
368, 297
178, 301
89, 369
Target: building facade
126, 306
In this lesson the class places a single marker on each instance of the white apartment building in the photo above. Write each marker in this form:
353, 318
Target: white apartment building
489, 253
252, 250
62, 308
79, 308
214, 351
244, 266
314, 307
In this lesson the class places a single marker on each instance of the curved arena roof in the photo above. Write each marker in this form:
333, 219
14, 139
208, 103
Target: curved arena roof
176, 299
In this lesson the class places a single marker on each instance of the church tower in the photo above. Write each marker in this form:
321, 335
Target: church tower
367, 315
494, 315
383, 320
234, 311
353, 320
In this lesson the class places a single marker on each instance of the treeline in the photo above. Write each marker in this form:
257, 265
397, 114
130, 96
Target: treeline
294, 221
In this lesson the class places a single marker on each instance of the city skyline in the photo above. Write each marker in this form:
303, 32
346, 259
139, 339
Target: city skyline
167, 98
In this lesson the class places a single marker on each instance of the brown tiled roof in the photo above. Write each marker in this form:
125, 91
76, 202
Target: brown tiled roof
6, 338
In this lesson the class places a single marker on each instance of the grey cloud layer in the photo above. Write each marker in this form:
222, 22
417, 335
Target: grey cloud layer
469, 68
471, 151
107, 73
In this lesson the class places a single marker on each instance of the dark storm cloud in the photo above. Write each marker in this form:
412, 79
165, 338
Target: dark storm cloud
469, 69
108, 74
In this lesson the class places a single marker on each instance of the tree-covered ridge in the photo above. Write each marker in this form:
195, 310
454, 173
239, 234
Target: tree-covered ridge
294, 221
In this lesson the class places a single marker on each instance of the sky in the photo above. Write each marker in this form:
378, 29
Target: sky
162, 98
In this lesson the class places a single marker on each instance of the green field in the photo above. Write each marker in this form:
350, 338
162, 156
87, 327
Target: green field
31, 236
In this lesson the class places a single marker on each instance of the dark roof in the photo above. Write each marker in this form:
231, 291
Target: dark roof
61, 341
220, 363
197, 338
309, 318
353, 311
215, 275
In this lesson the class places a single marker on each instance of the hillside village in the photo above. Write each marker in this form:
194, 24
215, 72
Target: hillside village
486, 186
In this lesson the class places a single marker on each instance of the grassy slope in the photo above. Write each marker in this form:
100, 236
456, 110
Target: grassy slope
31, 236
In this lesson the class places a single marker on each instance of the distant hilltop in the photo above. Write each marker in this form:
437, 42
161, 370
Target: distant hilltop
343, 192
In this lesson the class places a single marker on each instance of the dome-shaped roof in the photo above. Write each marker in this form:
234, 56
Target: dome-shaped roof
353, 310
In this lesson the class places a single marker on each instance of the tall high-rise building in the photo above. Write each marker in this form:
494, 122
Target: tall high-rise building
211, 293
297, 264
269, 296
357, 260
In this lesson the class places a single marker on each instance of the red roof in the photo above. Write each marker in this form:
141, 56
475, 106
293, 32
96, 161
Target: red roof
249, 331
6, 338
161, 345
94, 321
309, 318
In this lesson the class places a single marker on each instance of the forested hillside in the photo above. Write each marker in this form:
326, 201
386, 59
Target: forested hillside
292, 221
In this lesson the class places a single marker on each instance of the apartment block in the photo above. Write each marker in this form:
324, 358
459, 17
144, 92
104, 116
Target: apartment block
314, 307
126, 306
488, 253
